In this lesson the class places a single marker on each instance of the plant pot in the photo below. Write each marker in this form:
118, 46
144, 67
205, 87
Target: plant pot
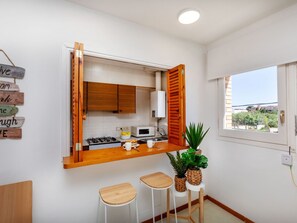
180, 184
194, 177
199, 151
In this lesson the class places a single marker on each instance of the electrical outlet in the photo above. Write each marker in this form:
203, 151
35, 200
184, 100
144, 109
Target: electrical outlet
125, 128
287, 159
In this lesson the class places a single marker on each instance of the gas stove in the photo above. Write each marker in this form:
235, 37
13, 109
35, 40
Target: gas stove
103, 142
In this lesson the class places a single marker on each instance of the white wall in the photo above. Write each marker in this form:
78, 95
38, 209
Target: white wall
249, 179
268, 42
98, 70
33, 34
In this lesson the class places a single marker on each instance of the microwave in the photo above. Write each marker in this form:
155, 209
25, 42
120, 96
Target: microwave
142, 131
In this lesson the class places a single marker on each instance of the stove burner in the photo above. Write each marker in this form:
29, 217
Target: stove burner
102, 140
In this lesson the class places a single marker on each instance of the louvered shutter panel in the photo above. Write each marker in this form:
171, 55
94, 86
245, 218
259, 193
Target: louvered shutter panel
77, 102
176, 105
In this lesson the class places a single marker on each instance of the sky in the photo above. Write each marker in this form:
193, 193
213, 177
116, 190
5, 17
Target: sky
258, 86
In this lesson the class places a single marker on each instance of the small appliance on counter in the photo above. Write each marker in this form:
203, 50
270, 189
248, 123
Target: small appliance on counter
125, 135
142, 131
103, 142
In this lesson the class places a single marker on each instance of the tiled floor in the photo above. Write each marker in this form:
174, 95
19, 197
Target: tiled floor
212, 214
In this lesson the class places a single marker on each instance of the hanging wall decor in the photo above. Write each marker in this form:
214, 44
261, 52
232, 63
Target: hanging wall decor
10, 125
8, 110
8, 86
13, 133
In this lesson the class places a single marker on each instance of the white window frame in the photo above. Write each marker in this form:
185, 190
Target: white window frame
286, 101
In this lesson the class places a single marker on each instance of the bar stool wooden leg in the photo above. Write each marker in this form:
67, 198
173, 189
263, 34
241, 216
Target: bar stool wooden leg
201, 205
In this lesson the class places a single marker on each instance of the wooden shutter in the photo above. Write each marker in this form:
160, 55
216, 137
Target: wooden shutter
77, 102
176, 100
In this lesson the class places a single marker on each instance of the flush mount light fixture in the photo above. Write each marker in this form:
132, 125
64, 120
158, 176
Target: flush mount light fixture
188, 16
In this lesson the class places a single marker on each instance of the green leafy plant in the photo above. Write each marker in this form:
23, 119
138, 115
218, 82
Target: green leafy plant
195, 134
193, 160
178, 164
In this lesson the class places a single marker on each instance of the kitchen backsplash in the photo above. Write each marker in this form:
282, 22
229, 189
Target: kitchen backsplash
100, 124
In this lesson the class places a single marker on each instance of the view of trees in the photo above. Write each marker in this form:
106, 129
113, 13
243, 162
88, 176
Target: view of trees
253, 117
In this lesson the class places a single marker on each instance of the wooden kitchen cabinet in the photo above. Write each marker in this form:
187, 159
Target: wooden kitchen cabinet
102, 97
109, 97
126, 99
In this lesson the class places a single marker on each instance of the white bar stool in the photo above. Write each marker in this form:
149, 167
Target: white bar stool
117, 196
160, 181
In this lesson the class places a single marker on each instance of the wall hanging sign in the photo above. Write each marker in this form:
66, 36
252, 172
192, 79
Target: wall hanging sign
11, 98
11, 122
8, 86
12, 133
8, 110
10, 126
11, 71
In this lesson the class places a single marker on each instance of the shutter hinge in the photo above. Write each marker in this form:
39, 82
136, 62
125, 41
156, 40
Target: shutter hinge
78, 53
183, 72
78, 147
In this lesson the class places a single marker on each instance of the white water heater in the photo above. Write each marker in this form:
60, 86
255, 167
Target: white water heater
158, 104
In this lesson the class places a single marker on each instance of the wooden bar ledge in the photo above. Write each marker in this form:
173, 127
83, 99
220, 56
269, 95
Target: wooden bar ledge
92, 157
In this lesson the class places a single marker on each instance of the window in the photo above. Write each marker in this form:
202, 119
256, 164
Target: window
253, 105
251, 101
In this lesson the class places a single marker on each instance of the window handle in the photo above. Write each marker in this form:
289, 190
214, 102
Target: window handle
282, 116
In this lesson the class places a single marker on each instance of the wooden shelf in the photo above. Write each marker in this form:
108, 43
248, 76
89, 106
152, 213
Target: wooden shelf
92, 157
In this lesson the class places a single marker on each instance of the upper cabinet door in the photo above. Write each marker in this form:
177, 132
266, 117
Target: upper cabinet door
176, 105
127, 99
102, 97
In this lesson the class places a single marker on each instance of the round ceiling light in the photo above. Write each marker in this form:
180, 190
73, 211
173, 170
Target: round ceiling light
188, 16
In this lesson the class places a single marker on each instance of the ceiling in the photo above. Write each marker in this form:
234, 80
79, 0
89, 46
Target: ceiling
218, 17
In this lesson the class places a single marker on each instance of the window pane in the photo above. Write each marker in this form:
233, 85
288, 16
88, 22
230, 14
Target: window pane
251, 101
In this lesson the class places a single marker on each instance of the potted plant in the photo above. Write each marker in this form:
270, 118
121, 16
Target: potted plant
180, 170
194, 135
194, 162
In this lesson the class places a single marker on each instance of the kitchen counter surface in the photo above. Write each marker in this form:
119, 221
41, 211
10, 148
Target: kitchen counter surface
119, 153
